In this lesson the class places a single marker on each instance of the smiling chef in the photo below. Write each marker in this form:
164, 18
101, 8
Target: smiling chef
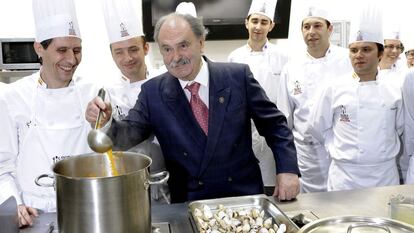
41, 116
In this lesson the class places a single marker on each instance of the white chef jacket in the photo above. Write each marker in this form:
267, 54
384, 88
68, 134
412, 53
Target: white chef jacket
40, 126
360, 124
408, 96
396, 73
301, 82
123, 96
266, 66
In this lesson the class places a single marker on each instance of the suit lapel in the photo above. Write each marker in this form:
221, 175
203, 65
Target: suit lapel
175, 99
219, 92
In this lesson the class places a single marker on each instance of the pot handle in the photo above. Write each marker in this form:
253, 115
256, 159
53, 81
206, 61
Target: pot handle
373, 225
44, 184
160, 178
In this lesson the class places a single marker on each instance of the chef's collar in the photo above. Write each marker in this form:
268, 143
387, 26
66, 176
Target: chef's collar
126, 80
202, 76
42, 84
264, 48
328, 52
358, 79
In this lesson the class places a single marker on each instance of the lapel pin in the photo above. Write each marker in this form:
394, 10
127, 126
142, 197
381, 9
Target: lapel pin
221, 99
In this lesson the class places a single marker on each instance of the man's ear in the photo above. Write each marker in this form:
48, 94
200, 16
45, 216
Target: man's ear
272, 25
38, 49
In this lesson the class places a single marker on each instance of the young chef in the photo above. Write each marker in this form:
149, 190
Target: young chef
359, 118
266, 61
41, 116
391, 65
301, 81
129, 49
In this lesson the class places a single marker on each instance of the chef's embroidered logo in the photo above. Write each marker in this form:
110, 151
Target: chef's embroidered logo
397, 35
72, 31
119, 112
344, 117
310, 12
359, 36
29, 124
263, 8
124, 30
297, 89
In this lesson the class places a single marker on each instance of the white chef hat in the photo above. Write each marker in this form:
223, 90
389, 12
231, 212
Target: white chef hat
122, 20
409, 44
185, 8
392, 31
369, 26
263, 7
408, 39
55, 18
318, 12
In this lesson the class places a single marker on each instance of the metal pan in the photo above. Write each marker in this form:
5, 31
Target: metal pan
260, 202
356, 224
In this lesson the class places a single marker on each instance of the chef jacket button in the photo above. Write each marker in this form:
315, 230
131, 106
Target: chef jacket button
185, 154
200, 183
361, 151
361, 128
230, 179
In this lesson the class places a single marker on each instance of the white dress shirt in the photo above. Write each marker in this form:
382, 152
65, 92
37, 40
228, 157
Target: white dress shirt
202, 78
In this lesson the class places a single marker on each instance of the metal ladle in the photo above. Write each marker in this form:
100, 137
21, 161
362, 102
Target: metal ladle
98, 141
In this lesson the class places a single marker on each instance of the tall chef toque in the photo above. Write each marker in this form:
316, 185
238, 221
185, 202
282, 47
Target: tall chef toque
409, 40
317, 12
185, 8
263, 7
55, 18
369, 26
392, 33
122, 20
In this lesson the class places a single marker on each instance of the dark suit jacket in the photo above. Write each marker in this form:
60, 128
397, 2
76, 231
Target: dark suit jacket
222, 164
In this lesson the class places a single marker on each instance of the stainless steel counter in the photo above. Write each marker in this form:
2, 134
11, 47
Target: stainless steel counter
367, 202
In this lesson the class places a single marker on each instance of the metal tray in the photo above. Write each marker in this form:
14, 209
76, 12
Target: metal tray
260, 202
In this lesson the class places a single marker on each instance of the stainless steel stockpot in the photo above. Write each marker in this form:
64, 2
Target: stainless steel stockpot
91, 201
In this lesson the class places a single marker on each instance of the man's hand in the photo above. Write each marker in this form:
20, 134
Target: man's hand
287, 186
26, 215
93, 108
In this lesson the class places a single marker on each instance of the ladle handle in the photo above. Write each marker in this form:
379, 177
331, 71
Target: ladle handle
101, 94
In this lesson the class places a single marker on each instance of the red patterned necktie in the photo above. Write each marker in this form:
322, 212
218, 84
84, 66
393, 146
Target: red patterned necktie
198, 107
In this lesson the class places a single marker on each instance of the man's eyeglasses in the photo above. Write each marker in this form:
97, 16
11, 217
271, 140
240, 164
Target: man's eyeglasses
409, 54
392, 47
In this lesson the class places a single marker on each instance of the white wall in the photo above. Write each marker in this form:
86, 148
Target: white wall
16, 21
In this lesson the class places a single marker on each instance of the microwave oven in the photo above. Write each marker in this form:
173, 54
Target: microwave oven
18, 54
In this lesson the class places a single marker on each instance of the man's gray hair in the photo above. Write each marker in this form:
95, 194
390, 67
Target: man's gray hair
196, 25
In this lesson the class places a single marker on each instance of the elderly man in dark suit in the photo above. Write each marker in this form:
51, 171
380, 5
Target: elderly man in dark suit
200, 111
